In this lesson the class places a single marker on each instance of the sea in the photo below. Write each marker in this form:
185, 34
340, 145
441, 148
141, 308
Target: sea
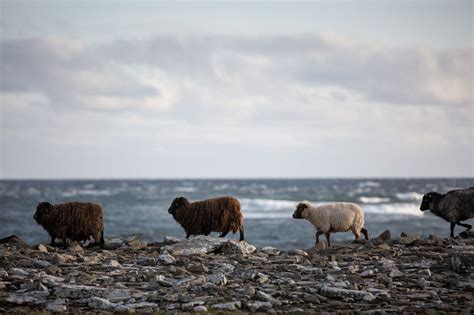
140, 207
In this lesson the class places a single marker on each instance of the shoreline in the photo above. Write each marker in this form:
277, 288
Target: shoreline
404, 274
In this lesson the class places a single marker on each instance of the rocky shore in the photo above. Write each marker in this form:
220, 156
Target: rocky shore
403, 274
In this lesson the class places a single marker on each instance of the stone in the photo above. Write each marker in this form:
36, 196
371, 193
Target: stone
334, 292
409, 239
115, 296
367, 273
57, 306
113, 243
231, 306
258, 306
317, 248
191, 281
18, 272
32, 297
262, 296
74, 291
297, 252
241, 248
467, 234
112, 264
15, 241
100, 303
191, 305
385, 235
395, 273
200, 308
169, 240
42, 248
58, 258
195, 245
249, 290
217, 279
41, 263
50, 280
76, 249
462, 262
197, 268
432, 274
162, 280
137, 244
270, 250
166, 259
425, 272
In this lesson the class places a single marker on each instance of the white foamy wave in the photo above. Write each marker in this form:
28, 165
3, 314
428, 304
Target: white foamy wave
364, 199
32, 191
86, 192
409, 196
268, 215
268, 204
224, 187
369, 184
394, 208
185, 189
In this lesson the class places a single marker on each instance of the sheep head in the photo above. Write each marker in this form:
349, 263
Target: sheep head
178, 203
298, 214
42, 211
427, 200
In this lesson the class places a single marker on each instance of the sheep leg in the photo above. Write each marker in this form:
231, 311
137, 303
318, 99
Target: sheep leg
64, 243
52, 241
365, 232
317, 236
101, 242
188, 235
453, 224
241, 231
327, 237
467, 226
356, 235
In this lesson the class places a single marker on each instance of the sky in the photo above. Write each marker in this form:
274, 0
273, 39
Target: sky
224, 89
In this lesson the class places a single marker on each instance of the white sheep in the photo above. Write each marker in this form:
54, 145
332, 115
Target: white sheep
337, 217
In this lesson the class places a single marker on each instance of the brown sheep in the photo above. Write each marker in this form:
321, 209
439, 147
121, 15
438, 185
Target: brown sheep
220, 214
76, 221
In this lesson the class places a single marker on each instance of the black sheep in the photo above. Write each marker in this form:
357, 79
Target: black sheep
454, 206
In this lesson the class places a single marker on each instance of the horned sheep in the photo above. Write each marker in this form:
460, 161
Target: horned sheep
220, 214
76, 221
337, 217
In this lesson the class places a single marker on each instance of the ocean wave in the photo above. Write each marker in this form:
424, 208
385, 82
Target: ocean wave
32, 191
185, 189
409, 196
369, 184
365, 199
268, 204
406, 209
224, 187
275, 208
86, 192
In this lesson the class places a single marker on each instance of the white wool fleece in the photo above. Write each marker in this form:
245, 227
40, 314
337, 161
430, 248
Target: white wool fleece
337, 217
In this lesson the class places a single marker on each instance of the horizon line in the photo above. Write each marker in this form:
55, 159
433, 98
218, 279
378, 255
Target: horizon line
230, 178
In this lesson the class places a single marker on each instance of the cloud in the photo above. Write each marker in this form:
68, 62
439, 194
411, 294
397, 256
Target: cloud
288, 99
380, 73
70, 76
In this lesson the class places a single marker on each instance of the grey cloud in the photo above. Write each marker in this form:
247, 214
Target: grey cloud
65, 72
380, 73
